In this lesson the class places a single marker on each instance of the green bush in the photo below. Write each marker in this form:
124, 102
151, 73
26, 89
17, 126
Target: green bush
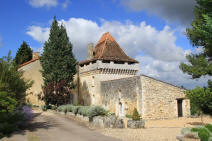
202, 133
69, 108
95, 111
62, 108
9, 123
135, 115
44, 108
75, 109
83, 110
89, 111
128, 116
209, 127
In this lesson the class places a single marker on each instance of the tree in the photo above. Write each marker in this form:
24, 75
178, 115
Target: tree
12, 94
201, 101
58, 63
200, 35
135, 115
23, 54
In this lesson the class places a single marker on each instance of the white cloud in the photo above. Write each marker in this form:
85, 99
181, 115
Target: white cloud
38, 33
168, 72
65, 4
134, 39
156, 50
42, 3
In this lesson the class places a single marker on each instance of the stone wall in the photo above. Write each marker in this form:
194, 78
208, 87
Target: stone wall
120, 96
159, 99
154, 99
32, 72
92, 74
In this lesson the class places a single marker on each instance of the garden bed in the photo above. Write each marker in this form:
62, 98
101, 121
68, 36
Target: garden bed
95, 115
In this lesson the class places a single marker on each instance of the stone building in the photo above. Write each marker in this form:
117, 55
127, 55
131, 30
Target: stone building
31, 71
109, 78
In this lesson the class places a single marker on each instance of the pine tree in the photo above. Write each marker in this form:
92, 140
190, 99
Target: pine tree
200, 35
58, 63
23, 54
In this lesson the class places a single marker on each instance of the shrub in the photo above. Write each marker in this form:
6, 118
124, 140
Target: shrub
135, 115
209, 127
62, 108
9, 122
189, 134
69, 108
202, 133
83, 110
128, 116
44, 108
27, 111
95, 111
75, 109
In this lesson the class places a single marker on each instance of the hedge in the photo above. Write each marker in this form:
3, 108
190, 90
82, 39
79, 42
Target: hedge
89, 111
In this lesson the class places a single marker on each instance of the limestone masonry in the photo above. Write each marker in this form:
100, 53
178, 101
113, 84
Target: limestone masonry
109, 78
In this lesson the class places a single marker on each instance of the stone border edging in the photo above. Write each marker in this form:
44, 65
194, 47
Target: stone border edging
107, 121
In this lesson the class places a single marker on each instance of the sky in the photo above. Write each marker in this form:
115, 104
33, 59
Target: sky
151, 31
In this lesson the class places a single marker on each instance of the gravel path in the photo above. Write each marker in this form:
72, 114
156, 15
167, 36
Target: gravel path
53, 127
155, 130
48, 126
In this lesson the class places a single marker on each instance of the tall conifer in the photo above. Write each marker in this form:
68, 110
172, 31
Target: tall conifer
23, 54
59, 65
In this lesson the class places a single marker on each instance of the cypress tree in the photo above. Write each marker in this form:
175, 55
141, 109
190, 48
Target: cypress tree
59, 65
23, 54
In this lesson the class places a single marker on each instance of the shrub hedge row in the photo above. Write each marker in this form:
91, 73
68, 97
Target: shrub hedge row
89, 111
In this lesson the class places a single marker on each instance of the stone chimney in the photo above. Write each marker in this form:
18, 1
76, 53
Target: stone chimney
35, 55
90, 51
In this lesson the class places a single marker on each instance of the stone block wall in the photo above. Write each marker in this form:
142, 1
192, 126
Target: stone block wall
120, 95
159, 99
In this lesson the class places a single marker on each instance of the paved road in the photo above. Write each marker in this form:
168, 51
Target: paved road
54, 127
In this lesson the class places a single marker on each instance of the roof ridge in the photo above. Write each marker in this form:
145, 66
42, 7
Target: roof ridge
28, 62
104, 45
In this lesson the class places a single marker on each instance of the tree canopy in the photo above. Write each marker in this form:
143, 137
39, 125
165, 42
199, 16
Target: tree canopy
58, 62
200, 35
23, 54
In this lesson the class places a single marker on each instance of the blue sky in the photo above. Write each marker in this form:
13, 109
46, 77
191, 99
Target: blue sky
16, 16
151, 32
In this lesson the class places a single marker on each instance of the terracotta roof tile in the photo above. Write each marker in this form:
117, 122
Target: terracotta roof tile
108, 49
26, 63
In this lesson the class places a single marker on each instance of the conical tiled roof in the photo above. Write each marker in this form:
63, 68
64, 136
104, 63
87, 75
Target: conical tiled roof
108, 49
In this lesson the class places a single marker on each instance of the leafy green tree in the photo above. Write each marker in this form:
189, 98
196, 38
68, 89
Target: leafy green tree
23, 54
12, 85
201, 100
12, 94
200, 35
58, 63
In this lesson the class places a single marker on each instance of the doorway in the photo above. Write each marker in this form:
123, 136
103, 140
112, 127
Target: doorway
180, 107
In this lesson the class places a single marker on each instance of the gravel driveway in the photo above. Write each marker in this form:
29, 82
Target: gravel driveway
53, 127
48, 126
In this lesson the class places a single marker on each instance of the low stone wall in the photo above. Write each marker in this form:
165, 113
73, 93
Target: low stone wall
135, 124
107, 122
98, 121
